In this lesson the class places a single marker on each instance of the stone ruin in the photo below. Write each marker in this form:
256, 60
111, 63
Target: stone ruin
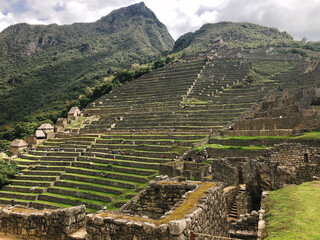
162, 211
28, 223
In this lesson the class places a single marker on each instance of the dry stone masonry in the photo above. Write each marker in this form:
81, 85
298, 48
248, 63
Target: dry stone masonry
27, 223
208, 217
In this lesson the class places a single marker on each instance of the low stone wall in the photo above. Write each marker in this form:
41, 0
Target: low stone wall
27, 223
269, 132
223, 153
157, 199
209, 216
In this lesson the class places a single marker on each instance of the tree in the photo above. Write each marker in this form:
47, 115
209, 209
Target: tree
7, 171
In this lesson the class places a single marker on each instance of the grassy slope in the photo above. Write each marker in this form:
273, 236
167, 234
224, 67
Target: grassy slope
293, 212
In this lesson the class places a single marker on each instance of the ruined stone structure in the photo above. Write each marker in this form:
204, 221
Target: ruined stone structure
281, 115
27, 223
209, 217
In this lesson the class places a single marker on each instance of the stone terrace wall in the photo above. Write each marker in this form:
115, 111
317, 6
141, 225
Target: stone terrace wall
222, 153
29, 223
290, 154
208, 217
156, 199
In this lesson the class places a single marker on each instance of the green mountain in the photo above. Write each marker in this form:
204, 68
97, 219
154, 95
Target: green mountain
244, 34
43, 67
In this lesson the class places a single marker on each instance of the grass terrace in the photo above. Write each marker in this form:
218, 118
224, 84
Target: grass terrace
293, 212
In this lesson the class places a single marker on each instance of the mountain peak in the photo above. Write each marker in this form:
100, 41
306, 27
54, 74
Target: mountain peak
135, 10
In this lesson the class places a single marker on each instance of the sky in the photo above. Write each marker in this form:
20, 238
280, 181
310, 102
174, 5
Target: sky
300, 18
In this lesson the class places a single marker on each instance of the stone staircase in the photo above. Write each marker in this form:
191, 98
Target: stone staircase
234, 213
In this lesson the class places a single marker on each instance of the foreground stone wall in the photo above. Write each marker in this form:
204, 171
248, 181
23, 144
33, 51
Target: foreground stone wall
208, 217
157, 198
27, 223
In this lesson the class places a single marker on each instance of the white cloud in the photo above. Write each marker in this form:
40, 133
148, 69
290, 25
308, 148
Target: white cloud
299, 18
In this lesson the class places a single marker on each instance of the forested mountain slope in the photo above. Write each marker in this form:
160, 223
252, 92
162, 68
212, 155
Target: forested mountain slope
42, 67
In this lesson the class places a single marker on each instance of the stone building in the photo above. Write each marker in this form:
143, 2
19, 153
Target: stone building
17, 145
46, 128
74, 114
39, 134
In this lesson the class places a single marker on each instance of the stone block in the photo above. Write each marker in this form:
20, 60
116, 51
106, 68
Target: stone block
176, 227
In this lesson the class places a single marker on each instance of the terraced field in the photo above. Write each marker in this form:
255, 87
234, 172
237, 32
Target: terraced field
144, 123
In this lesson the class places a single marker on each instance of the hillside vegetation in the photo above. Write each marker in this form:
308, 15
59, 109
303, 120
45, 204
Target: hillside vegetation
247, 35
44, 68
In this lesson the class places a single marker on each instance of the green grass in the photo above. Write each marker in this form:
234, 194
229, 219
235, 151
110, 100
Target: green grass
85, 191
106, 172
293, 212
315, 135
253, 137
309, 136
231, 147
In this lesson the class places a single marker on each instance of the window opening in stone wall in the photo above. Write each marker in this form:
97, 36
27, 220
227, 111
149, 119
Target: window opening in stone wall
306, 157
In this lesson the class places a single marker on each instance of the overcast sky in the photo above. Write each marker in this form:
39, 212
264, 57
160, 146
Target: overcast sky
300, 18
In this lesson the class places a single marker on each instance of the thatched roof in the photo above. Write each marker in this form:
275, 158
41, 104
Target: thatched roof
39, 134
73, 110
45, 126
18, 143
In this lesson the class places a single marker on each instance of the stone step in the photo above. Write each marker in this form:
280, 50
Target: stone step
31, 183
119, 147
36, 178
88, 186
123, 163
49, 168
156, 158
17, 188
57, 198
80, 193
106, 167
23, 196
99, 180
140, 156
46, 173
107, 174
54, 163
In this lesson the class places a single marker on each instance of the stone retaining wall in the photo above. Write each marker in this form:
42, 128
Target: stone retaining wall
208, 217
29, 223
156, 199
292, 154
222, 153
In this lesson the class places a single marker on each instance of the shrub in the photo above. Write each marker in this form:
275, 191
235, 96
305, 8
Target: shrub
7, 171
